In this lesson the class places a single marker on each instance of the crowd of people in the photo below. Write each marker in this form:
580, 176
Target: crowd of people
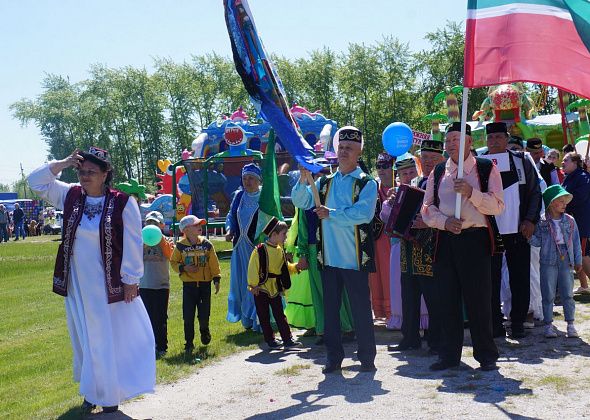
523, 230
14, 224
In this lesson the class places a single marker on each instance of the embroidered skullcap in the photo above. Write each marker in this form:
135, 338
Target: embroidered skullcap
252, 169
349, 133
385, 159
405, 164
432, 146
270, 226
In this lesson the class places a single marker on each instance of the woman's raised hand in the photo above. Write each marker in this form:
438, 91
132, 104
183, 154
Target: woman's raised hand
72, 161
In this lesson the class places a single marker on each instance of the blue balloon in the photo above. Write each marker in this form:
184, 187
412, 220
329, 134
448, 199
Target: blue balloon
397, 138
151, 235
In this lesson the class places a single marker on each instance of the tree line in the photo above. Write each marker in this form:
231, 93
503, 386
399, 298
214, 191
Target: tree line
141, 116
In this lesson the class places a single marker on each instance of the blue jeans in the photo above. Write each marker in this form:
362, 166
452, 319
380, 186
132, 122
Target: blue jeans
19, 227
552, 277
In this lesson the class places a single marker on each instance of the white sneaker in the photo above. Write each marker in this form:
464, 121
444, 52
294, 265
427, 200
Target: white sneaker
571, 331
528, 325
582, 291
550, 331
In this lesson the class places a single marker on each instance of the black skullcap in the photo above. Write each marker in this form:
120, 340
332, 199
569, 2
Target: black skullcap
496, 127
456, 126
515, 140
534, 144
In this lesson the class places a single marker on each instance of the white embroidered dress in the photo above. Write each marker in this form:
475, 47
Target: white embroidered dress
113, 344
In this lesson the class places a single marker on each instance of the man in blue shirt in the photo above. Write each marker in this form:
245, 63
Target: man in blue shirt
345, 246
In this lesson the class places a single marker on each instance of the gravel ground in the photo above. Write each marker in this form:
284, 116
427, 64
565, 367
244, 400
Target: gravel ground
538, 378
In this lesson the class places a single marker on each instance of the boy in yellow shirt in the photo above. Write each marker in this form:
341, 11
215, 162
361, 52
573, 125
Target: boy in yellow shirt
195, 260
268, 277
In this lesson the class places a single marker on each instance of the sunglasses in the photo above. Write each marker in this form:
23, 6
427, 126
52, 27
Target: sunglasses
384, 166
91, 173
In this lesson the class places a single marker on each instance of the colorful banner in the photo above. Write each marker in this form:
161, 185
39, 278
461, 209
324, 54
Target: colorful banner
539, 41
419, 136
262, 81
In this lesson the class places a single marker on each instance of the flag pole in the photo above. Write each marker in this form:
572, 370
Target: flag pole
461, 149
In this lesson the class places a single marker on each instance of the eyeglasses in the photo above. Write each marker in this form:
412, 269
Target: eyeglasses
383, 166
82, 172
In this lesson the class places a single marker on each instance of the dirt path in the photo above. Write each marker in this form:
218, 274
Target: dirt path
538, 378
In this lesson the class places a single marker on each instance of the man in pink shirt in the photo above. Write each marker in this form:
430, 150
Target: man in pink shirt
464, 249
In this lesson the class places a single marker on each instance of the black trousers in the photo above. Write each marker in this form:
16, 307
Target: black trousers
462, 269
264, 304
518, 258
196, 298
357, 287
156, 305
413, 288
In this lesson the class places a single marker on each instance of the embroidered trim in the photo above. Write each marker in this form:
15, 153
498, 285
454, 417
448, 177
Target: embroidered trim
108, 244
91, 210
67, 242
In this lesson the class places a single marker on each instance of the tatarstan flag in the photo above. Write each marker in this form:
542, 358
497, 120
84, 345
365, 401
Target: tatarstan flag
540, 41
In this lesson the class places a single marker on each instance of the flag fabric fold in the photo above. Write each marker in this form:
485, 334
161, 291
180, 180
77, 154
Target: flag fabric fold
539, 41
269, 203
262, 81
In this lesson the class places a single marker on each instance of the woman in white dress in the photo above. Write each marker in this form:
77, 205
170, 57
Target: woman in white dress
98, 267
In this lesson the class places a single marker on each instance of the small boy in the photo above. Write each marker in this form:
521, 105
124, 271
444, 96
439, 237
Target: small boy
154, 286
268, 277
195, 260
557, 235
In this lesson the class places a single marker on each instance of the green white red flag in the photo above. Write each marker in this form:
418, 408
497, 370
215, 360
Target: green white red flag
539, 41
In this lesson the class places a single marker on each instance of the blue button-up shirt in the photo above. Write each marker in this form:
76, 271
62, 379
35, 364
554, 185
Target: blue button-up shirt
339, 242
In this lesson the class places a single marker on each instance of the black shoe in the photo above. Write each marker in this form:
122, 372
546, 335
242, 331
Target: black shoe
499, 332
331, 368
348, 337
518, 332
87, 407
442, 365
110, 409
274, 344
291, 343
404, 346
368, 368
320, 341
188, 350
488, 366
205, 337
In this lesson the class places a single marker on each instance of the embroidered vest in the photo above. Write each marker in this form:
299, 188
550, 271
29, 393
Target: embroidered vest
111, 240
283, 279
484, 169
236, 229
365, 243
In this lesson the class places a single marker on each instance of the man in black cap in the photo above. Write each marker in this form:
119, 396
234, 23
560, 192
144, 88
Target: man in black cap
515, 144
547, 170
417, 277
463, 249
345, 246
522, 196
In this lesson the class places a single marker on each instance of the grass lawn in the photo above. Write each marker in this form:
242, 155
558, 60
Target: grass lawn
35, 352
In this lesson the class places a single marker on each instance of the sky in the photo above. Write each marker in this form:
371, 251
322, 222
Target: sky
65, 37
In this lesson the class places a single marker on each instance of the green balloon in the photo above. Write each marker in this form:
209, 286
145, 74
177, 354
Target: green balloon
151, 235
